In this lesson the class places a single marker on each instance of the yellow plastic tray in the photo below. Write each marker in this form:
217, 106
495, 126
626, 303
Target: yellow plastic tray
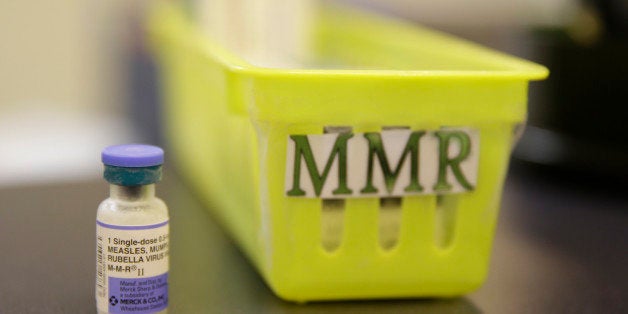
228, 124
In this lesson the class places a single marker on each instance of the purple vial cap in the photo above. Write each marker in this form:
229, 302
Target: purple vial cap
133, 155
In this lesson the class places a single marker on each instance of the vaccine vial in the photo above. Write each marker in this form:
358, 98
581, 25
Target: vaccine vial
132, 233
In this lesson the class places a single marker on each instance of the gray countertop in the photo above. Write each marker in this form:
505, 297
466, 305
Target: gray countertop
560, 247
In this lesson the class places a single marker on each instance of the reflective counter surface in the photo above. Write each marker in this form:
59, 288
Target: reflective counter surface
560, 247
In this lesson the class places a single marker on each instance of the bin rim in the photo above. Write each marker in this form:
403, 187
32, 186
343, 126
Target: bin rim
167, 20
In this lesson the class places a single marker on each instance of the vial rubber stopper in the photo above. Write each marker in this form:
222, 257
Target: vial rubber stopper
132, 164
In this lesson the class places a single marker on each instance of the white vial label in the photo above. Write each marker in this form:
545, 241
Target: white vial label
132, 268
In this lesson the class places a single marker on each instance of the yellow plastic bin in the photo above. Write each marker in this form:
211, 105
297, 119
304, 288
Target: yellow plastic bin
238, 132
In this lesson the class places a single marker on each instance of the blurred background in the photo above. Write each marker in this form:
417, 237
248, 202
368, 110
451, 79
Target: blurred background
64, 92
76, 75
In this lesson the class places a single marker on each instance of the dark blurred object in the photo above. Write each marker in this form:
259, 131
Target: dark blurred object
614, 15
580, 122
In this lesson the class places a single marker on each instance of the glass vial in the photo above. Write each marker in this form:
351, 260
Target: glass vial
132, 233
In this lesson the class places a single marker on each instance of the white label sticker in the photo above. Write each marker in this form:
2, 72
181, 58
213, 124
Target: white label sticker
132, 268
382, 164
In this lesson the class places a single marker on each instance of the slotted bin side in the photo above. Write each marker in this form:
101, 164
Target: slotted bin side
229, 125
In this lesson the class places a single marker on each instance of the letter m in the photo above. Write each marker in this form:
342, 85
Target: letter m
302, 150
376, 150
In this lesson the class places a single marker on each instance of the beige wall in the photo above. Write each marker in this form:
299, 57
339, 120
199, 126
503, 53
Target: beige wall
61, 53
62, 87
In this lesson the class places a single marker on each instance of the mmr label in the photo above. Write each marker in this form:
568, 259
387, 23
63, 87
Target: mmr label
382, 164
